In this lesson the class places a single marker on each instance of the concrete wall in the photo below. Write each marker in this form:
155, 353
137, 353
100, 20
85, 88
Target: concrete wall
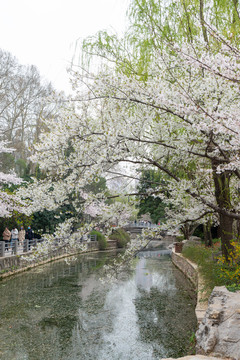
191, 271
187, 267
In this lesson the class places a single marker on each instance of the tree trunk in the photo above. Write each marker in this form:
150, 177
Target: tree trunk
235, 12
185, 230
207, 234
222, 194
201, 14
226, 229
238, 229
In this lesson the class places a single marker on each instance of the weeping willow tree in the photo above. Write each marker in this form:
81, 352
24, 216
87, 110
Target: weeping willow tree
155, 23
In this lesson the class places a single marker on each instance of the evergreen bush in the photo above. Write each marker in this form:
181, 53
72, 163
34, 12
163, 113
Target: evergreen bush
102, 242
121, 236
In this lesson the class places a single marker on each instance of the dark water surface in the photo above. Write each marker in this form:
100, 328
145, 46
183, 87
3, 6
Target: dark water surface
64, 312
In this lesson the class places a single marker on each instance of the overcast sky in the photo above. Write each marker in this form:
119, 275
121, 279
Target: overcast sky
44, 32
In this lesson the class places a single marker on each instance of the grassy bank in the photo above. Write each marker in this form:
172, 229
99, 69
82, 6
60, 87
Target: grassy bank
214, 269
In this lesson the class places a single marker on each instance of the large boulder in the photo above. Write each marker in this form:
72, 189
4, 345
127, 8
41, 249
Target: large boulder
195, 238
219, 332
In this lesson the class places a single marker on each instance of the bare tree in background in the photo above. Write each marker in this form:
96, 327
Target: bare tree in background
24, 102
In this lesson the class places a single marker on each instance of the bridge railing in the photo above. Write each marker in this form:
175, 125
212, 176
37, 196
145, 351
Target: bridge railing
14, 247
142, 224
90, 237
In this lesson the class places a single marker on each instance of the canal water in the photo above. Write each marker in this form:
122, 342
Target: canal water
63, 311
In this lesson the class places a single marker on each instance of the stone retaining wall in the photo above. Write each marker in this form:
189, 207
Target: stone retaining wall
190, 270
10, 262
112, 244
186, 266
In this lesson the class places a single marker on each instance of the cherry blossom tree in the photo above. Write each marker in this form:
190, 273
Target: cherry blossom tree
8, 202
181, 117
183, 120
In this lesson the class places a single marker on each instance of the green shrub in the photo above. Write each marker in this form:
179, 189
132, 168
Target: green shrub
121, 236
102, 242
214, 268
230, 267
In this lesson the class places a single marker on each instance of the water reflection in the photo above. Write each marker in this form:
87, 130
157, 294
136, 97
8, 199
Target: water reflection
62, 311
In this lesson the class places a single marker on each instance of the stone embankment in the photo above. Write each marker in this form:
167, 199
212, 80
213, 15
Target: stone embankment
218, 334
11, 265
190, 270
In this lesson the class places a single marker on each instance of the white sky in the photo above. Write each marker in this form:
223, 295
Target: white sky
44, 32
